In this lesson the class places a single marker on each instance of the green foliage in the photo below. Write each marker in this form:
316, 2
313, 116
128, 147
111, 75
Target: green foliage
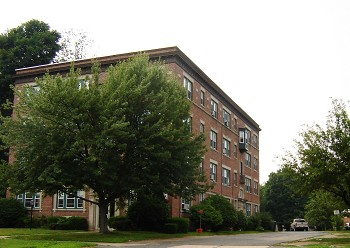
170, 228
253, 222
211, 218
322, 156
319, 209
70, 223
32, 43
12, 213
149, 212
241, 223
266, 220
182, 224
337, 222
227, 211
120, 223
259, 221
127, 132
280, 196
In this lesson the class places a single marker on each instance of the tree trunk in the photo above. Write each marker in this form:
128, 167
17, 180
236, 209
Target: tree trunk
103, 210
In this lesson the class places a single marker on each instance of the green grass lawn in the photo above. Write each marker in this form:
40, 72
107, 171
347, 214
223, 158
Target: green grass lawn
39, 238
337, 240
16, 243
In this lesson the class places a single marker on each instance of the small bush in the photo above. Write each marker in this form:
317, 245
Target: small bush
260, 229
12, 213
77, 223
253, 222
241, 222
182, 224
170, 228
121, 223
226, 210
71, 223
211, 217
149, 212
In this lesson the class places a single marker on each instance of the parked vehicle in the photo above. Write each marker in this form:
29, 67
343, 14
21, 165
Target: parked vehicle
347, 226
299, 225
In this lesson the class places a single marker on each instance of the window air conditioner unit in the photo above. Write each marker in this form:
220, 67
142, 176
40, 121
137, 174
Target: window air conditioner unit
212, 177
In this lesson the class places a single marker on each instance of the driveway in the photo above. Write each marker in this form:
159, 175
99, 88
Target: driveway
261, 240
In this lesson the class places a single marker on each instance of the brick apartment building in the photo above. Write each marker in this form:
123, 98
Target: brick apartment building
232, 138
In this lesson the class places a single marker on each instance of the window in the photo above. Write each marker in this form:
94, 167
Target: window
235, 150
241, 168
226, 177
83, 83
227, 118
241, 136
213, 171
201, 197
213, 140
36, 88
256, 185
201, 127
226, 147
235, 179
248, 160
189, 123
189, 87
256, 208
30, 199
132, 197
255, 140
185, 204
248, 184
202, 98
241, 193
69, 201
247, 136
201, 167
255, 164
214, 109
248, 208
235, 123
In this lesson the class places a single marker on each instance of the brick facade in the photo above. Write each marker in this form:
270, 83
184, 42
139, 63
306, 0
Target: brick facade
180, 65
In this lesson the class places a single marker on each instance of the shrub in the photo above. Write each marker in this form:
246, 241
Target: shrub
241, 222
210, 217
253, 222
121, 223
226, 210
182, 224
266, 221
170, 228
77, 223
32, 223
70, 223
149, 212
12, 213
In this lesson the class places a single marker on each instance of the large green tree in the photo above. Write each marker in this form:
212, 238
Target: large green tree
320, 209
281, 198
129, 132
32, 43
322, 157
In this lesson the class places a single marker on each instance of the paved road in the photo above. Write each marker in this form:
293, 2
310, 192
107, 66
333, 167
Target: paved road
261, 240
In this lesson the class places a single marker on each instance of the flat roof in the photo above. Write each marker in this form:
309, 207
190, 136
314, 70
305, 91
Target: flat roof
170, 54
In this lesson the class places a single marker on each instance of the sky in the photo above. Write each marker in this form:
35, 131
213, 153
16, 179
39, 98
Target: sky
281, 61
